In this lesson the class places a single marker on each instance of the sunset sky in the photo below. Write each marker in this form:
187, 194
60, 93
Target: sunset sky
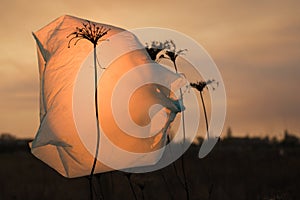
255, 44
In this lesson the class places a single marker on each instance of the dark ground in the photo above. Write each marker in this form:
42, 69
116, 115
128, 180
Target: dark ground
237, 168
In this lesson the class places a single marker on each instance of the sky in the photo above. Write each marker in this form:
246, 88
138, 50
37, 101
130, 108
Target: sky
255, 44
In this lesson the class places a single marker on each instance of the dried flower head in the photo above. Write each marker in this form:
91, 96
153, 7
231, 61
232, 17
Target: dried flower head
167, 50
89, 31
171, 51
200, 85
155, 48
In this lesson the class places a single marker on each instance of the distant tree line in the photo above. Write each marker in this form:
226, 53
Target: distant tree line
10, 143
7, 137
288, 139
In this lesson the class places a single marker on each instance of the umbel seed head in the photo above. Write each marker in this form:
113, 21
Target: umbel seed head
200, 85
89, 31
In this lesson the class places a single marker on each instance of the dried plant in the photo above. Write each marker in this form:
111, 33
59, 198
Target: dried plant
89, 31
94, 34
172, 53
154, 49
167, 50
159, 50
200, 85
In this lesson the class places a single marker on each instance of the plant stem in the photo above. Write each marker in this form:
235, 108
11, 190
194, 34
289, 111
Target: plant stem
166, 183
97, 119
181, 97
128, 175
183, 128
205, 115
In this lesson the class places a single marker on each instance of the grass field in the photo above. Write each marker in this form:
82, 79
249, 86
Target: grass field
237, 168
